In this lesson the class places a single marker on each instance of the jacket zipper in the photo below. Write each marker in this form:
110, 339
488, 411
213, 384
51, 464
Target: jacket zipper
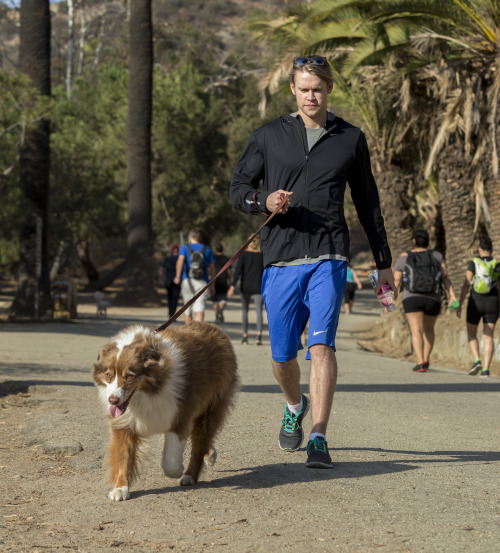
306, 242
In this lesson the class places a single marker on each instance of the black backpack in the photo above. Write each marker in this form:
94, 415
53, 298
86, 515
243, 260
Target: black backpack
422, 273
196, 263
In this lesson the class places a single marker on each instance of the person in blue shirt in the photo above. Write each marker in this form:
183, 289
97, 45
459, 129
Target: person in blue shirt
191, 286
352, 284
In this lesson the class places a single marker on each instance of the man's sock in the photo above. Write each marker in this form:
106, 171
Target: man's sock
316, 435
296, 409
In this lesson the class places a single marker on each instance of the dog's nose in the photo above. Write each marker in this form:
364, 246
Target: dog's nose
113, 400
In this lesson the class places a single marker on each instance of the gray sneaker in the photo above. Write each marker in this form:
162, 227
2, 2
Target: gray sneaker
317, 454
475, 368
291, 433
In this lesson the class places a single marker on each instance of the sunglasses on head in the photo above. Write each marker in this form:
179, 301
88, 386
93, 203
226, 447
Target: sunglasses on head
315, 60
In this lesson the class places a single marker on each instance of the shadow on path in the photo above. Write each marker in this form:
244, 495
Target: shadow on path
281, 474
479, 385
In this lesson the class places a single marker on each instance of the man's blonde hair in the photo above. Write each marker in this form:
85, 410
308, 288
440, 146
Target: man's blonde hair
324, 72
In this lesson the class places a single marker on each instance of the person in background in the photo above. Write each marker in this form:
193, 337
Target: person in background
481, 278
422, 309
305, 160
219, 299
166, 278
352, 284
190, 285
248, 270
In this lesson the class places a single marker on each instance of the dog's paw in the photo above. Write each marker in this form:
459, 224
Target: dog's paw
187, 480
119, 494
211, 457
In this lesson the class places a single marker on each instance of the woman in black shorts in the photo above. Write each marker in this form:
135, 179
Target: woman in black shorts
422, 309
481, 305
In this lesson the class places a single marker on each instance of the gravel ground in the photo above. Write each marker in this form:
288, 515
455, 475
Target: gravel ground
417, 458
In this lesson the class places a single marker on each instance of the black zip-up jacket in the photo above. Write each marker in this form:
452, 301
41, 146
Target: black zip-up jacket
277, 154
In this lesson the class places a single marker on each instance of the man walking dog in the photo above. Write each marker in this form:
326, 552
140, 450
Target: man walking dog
308, 157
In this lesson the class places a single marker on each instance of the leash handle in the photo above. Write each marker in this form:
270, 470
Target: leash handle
174, 317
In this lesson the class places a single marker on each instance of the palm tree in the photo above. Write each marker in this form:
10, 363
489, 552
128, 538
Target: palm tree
140, 265
446, 57
453, 54
33, 292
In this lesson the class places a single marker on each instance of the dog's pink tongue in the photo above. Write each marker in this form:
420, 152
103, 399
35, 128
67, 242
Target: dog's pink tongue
115, 411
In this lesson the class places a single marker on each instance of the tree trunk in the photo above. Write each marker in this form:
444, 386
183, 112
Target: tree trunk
81, 40
34, 166
395, 187
71, 47
139, 287
494, 207
102, 32
83, 250
457, 212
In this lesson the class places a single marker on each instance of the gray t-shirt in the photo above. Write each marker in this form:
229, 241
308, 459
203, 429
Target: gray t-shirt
400, 265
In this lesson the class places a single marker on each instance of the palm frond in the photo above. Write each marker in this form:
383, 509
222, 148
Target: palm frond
449, 124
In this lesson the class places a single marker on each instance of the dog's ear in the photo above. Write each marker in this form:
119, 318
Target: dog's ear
151, 357
102, 359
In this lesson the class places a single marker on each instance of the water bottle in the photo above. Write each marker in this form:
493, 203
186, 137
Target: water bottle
386, 295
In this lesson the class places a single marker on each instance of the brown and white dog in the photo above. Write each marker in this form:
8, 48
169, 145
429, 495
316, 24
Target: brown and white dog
180, 382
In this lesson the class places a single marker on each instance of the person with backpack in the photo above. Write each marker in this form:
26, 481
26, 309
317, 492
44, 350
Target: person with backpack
422, 272
195, 267
481, 278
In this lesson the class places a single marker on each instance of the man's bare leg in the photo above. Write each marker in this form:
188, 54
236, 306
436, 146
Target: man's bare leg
288, 376
322, 382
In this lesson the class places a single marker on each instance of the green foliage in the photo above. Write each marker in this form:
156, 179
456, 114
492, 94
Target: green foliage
21, 106
88, 196
189, 150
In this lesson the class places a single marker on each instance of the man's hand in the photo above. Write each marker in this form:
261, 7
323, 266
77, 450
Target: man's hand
274, 200
385, 275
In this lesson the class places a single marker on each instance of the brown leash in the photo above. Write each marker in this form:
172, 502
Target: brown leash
226, 266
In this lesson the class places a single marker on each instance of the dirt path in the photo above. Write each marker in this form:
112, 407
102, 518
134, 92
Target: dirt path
417, 456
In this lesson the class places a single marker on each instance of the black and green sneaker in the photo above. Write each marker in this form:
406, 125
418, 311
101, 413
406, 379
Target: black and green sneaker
476, 367
485, 373
291, 433
317, 454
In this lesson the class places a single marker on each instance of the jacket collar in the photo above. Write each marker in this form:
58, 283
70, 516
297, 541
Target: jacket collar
330, 125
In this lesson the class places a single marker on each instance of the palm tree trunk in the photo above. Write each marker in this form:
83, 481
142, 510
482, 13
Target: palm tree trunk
140, 266
33, 292
457, 212
395, 186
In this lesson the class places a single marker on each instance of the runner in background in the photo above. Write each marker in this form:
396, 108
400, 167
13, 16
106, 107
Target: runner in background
481, 278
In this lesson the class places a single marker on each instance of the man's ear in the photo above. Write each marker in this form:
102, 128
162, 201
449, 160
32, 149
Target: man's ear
292, 87
330, 88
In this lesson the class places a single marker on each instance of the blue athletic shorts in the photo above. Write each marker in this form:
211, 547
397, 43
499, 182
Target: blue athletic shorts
295, 294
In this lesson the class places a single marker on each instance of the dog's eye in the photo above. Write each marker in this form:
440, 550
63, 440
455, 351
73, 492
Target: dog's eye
129, 376
108, 376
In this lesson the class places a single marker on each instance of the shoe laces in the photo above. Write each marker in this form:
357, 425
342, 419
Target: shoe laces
318, 444
289, 421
